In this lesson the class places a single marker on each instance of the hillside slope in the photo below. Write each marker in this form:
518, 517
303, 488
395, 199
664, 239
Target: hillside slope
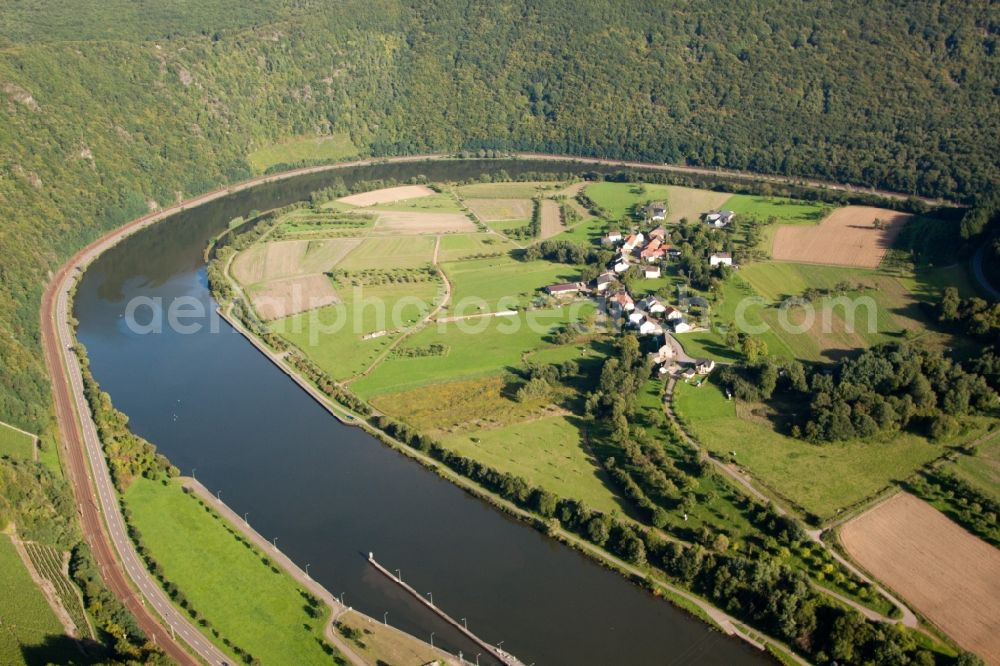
121, 109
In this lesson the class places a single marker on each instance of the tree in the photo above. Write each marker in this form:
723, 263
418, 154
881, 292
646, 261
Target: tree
950, 302
754, 350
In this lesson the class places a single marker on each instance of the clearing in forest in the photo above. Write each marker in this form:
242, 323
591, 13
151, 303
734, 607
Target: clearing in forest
848, 237
387, 195
949, 575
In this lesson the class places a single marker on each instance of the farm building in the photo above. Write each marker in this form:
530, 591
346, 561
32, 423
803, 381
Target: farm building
653, 305
604, 281
565, 288
704, 366
719, 218
670, 313
621, 302
721, 259
656, 211
633, 241
611, 238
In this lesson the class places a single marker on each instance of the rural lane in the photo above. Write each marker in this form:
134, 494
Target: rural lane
909, 618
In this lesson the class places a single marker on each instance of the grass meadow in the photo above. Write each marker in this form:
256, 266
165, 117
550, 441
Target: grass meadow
497, 282
333, 336
303, 149
272, 623
508, 190
820, 478
389, 252
455, 247
15, 443
476, 348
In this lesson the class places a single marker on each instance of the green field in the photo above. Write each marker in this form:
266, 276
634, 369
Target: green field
498, 282
390, 252
332, 336
982, 470
821, 479
548, 452
620, 199
303, 149
225, 580
455, 247
506, 226
14, 442
508, 190
786, 211
30, 633
587, 232
476, 348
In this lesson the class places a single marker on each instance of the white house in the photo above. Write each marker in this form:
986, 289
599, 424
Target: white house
636, 317
620, 264
704, 366
611, 238
604, 281
656, 211
650, 327
681, 326
651, 271
621, 302
719, 218
652, 305
721, 259
670, 313
633, 241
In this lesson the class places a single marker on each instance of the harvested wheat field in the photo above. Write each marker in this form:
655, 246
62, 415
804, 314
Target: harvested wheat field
283, 259
495, 210
946, 573
281, 298
551, 219
406, 222
847, 237
387, 195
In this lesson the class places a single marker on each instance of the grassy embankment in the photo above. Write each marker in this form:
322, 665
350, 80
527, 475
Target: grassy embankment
13, 442
274, 624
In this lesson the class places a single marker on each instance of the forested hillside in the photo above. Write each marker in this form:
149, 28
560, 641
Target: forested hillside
117, 107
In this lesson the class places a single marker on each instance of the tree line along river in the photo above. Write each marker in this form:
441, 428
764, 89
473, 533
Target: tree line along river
331, 493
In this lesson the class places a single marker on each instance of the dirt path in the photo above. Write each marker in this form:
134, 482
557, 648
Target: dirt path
743, 481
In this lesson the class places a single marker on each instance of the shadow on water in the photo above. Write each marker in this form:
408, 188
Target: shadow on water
220, 411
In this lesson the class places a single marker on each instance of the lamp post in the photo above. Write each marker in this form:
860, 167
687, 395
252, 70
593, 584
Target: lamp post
245, 514
307, 570
465, 624
385, 618
432, 639
275, 542
399, 575
431, 596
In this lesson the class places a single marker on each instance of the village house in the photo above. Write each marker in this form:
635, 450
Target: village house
565, 288
704, 366
650, 327
620, 263
670, 313
662, 355
651, 272
681, 326
720, 259
611, 238
653, 251
658, 233
719, 218
621, 302
604, 281
637, 316
656, 211
688, 373
652, 305
633, 241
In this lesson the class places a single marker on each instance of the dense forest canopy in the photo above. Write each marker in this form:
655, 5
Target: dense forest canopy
115, 107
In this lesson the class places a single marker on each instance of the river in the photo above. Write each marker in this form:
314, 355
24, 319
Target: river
331, 493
